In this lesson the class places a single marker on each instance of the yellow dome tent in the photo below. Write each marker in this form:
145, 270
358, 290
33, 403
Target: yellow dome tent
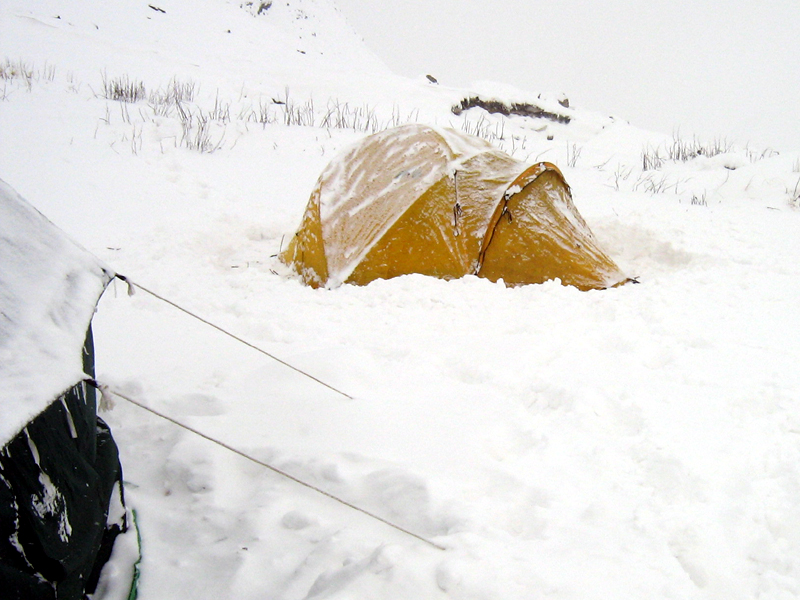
416, 199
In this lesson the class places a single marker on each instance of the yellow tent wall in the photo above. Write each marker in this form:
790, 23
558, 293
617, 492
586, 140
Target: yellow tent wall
536, 234
421, 200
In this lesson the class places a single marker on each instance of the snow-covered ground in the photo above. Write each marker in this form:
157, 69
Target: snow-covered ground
639, 442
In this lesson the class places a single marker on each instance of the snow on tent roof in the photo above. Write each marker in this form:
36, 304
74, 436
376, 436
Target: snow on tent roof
419, 199
49, 287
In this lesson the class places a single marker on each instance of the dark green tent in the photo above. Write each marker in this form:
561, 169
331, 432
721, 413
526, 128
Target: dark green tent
61, 495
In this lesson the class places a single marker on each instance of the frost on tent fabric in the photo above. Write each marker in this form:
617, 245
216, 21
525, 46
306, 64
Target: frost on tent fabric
61, 501
416, 199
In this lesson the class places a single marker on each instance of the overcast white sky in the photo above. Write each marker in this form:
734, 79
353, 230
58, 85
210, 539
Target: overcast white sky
717, 68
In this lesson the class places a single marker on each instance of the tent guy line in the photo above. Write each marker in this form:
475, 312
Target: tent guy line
105, 389
132, 286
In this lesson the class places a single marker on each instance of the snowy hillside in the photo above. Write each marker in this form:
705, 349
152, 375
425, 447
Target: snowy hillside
638, 442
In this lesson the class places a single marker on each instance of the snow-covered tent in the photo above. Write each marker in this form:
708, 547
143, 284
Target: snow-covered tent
61, 497
416, 199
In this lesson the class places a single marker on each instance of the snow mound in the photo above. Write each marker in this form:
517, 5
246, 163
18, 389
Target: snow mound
48, 290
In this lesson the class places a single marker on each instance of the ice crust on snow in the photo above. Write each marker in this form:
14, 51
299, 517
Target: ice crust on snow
48, 290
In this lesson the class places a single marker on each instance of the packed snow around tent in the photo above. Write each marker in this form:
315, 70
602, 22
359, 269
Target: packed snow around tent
635, 442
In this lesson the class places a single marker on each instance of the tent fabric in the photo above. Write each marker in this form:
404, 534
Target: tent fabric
417, 199
61, 501
61, 495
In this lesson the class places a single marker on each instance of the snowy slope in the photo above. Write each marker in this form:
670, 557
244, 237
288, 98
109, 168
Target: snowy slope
638, 442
